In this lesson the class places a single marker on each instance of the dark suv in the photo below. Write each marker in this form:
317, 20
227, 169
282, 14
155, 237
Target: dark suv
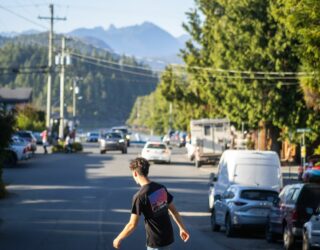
126, 134
295, 206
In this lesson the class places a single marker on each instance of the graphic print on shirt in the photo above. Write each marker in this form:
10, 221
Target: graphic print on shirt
158, 201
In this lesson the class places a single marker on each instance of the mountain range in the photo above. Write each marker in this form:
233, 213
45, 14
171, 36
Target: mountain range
145, 41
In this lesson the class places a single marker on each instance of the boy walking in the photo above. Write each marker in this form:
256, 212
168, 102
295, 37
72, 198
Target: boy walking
155, 203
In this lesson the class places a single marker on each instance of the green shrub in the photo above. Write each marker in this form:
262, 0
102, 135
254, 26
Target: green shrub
317, 150
57, 148
76, 146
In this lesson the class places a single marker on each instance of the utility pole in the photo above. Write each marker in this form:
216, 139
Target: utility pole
62, 72
74, 99
75, 92
50, 61
170, 116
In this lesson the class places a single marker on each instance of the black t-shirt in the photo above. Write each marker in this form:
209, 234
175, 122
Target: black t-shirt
152, 201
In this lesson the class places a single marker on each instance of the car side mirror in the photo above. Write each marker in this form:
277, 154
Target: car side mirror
217, 197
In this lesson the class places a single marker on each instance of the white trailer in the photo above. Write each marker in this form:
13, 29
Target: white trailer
209, 138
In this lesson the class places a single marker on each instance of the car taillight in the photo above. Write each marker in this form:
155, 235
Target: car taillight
239, 203
295, 215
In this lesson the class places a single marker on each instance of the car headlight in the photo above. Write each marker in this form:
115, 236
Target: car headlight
121, 140
128, 137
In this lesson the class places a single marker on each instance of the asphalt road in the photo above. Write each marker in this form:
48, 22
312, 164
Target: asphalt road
81, 201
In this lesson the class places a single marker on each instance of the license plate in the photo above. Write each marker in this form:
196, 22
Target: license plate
257, 211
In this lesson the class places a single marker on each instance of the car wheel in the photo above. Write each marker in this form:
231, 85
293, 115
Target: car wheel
198, 164
230, 232
214, 226
306, 244
288, 238
103, 151
270, 236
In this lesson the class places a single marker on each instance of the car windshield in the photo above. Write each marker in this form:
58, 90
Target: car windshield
122, 130
259, 195
113, 135
156, 146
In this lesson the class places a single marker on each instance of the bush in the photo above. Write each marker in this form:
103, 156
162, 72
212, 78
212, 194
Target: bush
76, 146
57, 148
317, 150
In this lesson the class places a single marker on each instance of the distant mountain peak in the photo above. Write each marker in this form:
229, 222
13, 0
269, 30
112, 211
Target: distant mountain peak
112, 27
144, 40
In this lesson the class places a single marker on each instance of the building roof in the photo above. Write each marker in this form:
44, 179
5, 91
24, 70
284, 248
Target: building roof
15, 96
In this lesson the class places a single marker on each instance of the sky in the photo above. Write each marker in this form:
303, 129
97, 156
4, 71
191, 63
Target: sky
21, 15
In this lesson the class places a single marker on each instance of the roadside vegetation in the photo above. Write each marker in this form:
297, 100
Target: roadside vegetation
7, 123
255, 62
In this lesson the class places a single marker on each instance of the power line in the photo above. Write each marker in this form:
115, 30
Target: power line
116, 69
114, 63
22, 17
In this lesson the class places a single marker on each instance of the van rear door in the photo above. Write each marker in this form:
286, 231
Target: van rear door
257, 175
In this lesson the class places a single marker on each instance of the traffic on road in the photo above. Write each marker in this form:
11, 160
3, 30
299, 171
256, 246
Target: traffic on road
82, 200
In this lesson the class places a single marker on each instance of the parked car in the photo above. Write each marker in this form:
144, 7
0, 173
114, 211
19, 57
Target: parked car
17, 151
242, 206
112, 141
291, 211
247, 168
125, 131
177, 139
156, 151
92, 137
311, 231
38, 137
29, 137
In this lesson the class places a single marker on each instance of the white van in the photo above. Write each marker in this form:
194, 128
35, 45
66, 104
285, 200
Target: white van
248, 168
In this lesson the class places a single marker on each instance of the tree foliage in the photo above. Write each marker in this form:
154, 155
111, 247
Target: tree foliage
242, 62
29, 118
7, 123
108, 93
301, 19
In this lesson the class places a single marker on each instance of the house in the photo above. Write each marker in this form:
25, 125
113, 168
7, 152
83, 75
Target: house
11, 97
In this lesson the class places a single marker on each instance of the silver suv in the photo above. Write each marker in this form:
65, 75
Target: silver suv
311, 231
242, 206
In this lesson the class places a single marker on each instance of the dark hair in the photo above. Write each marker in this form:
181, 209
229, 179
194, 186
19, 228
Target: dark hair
141, 165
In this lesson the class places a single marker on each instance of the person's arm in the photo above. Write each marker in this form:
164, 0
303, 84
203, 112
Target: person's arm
177, 218
128, 229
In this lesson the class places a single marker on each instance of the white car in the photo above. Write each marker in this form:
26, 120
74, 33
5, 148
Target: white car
311, 231
156, 151
17, 151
